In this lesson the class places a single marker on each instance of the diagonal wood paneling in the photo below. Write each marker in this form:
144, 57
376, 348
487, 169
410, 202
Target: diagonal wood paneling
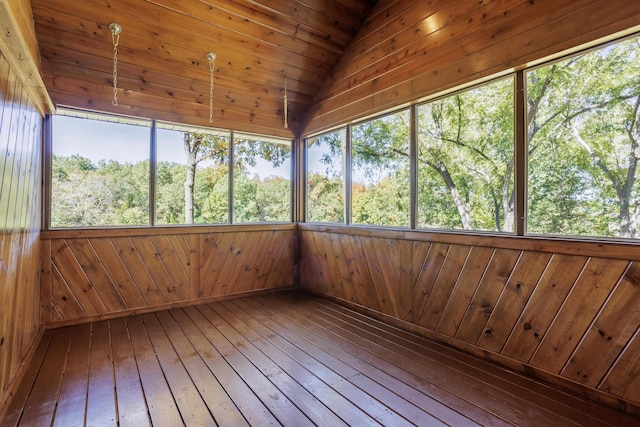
570, 317
94, 275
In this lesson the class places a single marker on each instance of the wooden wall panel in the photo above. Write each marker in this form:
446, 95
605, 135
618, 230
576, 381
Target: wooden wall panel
407, 50
20, 187
90, 275
570, 314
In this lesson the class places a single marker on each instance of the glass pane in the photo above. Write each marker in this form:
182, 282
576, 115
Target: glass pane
100, 173
380, 171
192, 179
465, 160
325, 177
261, 179
583, 116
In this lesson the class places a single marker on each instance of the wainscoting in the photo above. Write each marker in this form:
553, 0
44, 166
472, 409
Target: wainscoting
89, 275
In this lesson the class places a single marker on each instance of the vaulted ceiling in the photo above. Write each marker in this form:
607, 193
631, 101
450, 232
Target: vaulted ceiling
162, 70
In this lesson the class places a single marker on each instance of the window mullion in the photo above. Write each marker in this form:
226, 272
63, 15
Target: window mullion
520, 155
347, 155
413, 168
153, 156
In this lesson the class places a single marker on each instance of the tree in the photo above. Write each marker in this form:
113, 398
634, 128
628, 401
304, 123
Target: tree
199, 147
583, 126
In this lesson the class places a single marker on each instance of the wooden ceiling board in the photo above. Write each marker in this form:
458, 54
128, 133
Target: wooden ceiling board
162, 69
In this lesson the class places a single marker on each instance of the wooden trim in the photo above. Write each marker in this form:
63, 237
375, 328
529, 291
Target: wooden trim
20, 48
68, 233
160, 307
583, 247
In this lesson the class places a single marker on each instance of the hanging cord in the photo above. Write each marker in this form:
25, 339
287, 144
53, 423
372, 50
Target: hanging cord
212, 58
115, 37
286, 124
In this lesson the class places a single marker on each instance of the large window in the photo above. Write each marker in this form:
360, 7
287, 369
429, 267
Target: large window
465, 160
576, 170
325, 177
262, 179
192, 175
380, 171
101, 174
584, 144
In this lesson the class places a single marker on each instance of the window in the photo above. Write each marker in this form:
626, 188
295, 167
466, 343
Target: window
99, 172
192, 175
380, 171
465, 160
262, 179
584, 144
325, 177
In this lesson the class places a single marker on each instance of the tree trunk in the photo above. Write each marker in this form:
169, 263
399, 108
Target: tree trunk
463, 208
189, 182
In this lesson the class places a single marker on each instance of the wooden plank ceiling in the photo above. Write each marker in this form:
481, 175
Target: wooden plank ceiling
162, 69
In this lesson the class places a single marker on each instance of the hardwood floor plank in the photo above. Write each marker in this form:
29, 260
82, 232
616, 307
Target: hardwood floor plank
340, 391
16, 407
212, 393
252, 408
438, 402
101, 398
190, 404
73, 390
461, 380
287, 358
161, 403
40, 406
457, 379
551, 398
132, 406
278, 403
349, 365
334, 372
288, 380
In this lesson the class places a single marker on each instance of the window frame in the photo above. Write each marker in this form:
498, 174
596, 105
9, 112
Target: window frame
520, 154
153, 126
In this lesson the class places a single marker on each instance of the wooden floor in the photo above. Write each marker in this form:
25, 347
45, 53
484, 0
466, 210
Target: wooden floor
282, 359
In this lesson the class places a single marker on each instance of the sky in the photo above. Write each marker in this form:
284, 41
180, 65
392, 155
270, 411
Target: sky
101, 140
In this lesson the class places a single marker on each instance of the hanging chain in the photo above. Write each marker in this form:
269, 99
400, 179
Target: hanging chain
115, 37
211, 68
286, 124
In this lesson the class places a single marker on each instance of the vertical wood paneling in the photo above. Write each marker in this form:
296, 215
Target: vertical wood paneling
94, 276
574, 316
20, 186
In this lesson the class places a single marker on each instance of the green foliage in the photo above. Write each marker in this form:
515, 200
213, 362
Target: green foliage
325, 183
112, 193
583, 144
465, 160
108, 193
380, 165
